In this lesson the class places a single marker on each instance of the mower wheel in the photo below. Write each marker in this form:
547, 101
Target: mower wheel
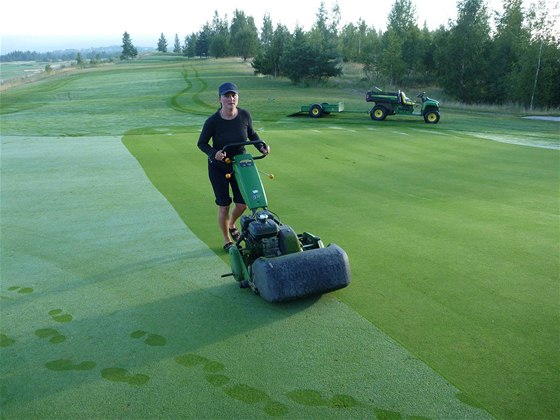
378, 113
431, 117
316, 111
238, 267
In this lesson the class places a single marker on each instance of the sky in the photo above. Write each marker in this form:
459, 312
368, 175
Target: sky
41, 25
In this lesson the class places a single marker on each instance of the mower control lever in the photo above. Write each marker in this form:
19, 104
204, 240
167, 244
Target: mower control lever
243, 143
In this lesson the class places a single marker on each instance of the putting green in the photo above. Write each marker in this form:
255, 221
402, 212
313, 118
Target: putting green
111, 307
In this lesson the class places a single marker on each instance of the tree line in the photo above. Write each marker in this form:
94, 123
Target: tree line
483, 56
61, 55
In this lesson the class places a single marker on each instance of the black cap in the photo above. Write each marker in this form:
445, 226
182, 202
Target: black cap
227, 87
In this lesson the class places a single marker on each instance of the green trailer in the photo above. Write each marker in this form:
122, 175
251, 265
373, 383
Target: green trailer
317, 110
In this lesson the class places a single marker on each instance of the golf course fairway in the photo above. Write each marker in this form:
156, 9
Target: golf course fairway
112, 301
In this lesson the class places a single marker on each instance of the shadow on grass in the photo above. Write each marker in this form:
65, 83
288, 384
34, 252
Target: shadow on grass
64, 351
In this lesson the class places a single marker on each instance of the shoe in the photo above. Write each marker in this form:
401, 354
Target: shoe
234, 233
228, 246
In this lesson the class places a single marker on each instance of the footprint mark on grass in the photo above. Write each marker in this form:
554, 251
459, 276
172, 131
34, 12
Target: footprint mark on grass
214, 379
241, 392
20, 289
58, 315
116, 374
6, 341
151, 339
66, 364
55, 336
313, 398
191, 359
251, 395
217, 380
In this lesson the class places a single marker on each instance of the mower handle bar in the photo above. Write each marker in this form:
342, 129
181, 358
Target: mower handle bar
244, 143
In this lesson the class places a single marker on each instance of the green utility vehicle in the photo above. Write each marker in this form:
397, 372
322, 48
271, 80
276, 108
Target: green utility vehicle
397, 103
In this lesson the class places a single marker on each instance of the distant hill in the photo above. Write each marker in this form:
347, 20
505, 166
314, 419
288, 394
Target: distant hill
68, 54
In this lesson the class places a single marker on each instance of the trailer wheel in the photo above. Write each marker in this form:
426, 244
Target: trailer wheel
431, 117
378, 113
316, 111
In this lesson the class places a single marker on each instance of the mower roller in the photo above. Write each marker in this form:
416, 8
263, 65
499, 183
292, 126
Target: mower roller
269, 257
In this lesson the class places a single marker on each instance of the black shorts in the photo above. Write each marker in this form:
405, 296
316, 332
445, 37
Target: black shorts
221, 185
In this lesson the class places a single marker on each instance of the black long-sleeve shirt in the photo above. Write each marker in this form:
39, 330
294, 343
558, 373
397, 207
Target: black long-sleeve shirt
224, 132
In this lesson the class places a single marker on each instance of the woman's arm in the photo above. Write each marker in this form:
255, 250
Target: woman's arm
204, 140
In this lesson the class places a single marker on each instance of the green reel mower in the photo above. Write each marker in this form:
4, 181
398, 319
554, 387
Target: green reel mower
269, 257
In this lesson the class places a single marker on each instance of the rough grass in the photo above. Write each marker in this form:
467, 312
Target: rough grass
452, 237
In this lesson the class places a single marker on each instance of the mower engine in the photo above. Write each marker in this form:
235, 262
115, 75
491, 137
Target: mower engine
261, 235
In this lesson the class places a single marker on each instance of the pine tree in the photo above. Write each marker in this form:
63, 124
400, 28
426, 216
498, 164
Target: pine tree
128, 49
162, 44
267, 61
177, 45
267, 32
219, 40
244, 35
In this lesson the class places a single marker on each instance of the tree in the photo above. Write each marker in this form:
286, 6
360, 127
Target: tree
400, 42
177, 45
441, 42
370, 52
244, 36
128, 49
202, 48
325, 60
189, 47
297, 60
509, 44
267, 31
349, 43
304, 60
352, 39
425, 52
219, 38
79, 60
541, 72
268, 60
463, 67
162, 44
303, 57
324, 32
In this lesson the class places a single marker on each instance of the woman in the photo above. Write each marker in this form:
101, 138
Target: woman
229, 124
